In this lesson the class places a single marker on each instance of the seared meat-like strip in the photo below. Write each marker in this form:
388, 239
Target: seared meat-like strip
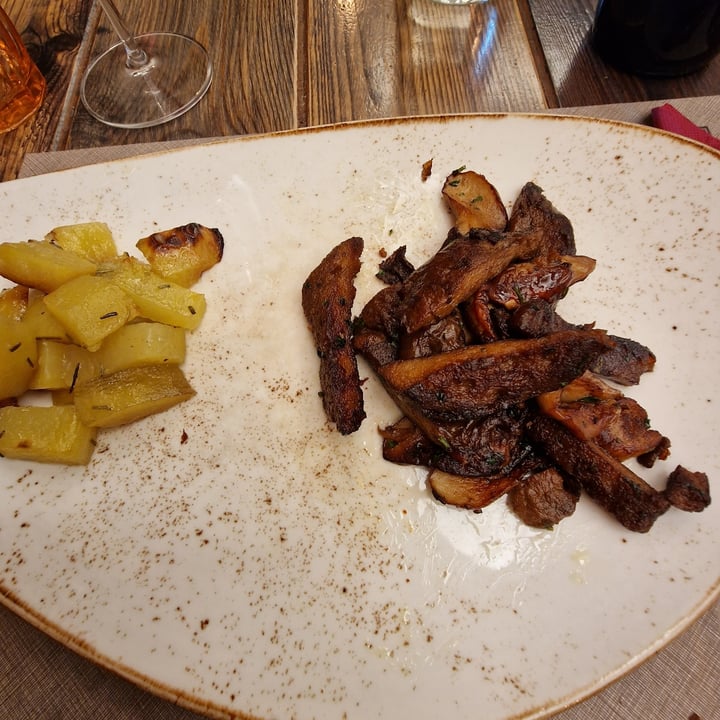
480, 379
374, 346
687, 490
660, 452
625, 362
479, 316
381, 312
544, 498
489, 446
542, 278
539, 317
634, 503
456, 271
627, 433
532, 210
405, 444
396, 267
501, 323
377, 328
444, 335
327, 298
595, 411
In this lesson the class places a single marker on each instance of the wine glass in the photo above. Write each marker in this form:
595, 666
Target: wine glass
144, 80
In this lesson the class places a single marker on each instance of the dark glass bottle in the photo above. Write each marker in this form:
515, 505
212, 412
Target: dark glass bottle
657, 37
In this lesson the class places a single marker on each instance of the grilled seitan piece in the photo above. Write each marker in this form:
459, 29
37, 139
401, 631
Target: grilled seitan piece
327, 299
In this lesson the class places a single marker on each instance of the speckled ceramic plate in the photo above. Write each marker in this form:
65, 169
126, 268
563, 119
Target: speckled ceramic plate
238, 555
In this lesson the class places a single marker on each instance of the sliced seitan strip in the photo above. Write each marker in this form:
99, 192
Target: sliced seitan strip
327, 299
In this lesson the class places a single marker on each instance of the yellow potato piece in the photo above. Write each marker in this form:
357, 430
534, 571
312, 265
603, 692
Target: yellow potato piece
92, 240
62, 397
131, 394
18, 358
142, 343
90, 308
156, 298
45, 434
41, 265
42, 324
63, 366
102, 334
13, 302
184, 253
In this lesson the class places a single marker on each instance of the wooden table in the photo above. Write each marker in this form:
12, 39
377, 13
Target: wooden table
289, 64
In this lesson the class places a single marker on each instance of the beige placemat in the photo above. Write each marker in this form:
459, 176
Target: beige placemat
704, 111
39, 678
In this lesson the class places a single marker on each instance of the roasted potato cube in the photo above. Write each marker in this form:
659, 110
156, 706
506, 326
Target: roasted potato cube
41, 265
64, 396
45, 434
474, 202
63, 365
92, 240
142, 343
90, 308
13, 302
131, 394
182, 254
18, 358
156, 298
42, 323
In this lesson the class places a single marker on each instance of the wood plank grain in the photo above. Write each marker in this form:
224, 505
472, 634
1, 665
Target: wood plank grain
582, 78
254, 69
52, 30
294, 63
406, 57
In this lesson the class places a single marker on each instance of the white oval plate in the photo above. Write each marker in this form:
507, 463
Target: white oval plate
265, 565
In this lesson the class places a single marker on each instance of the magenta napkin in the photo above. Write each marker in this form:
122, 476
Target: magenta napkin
666, 117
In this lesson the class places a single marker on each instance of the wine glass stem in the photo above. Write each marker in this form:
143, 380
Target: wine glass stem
136, 56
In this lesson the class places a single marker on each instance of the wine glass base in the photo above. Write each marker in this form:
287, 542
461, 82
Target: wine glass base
177, 75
